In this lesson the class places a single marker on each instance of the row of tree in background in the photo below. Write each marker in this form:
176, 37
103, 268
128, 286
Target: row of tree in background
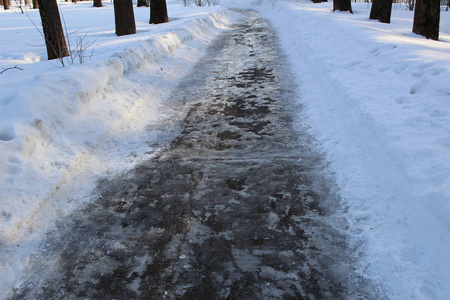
123, 14
98, 3
426, 17
426, 14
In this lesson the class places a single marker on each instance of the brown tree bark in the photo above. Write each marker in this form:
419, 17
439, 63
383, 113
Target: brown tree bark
53, 32
158, 12
141, 3
381, 11
342, 5
124, 17
35, 4
6, 4
98, 3
426, 18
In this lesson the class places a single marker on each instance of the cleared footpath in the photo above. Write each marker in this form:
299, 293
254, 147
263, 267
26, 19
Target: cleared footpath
238, 207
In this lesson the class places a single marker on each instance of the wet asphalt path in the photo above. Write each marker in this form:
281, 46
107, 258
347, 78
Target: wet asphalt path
237, 208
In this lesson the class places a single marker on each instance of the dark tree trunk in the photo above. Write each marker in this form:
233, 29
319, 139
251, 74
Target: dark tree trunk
158, 12
98, 3
426, 18
53, 32
342, 5
6, 4
1, 2
381, 11
35, 4
124, 16
141, 3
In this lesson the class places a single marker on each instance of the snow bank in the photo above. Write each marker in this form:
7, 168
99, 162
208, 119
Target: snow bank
62, 128
377, 99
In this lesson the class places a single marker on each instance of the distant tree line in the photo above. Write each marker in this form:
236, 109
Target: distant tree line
125, 24
426, 16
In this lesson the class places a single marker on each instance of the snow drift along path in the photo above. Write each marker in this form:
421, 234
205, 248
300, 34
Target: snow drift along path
70, 126
378, 97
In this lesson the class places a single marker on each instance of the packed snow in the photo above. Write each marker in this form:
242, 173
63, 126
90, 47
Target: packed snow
376, 97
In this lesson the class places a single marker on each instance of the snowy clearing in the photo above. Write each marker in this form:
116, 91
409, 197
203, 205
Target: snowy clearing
377, 97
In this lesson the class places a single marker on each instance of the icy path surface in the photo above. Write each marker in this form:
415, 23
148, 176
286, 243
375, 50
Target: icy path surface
239, 207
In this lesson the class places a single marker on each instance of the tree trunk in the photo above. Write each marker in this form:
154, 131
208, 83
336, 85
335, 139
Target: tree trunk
27, 2
6, 4
381, 10
342, 5
35, 4
124, 17
426, 18
158, 12
98, 3
141, 3
53, 32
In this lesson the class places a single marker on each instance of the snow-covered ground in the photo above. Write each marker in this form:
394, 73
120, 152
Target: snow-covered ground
63, 128
377, 99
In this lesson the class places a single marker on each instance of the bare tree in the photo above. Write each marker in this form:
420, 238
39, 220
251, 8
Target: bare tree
124, 17
35, 4
53, 32
98, 3
141, 3
381, 11
1, 2
19, 5
158, 12
342, 5
426, 18
212, 2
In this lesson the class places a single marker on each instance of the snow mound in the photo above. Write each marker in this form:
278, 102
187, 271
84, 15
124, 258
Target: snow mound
63, 128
